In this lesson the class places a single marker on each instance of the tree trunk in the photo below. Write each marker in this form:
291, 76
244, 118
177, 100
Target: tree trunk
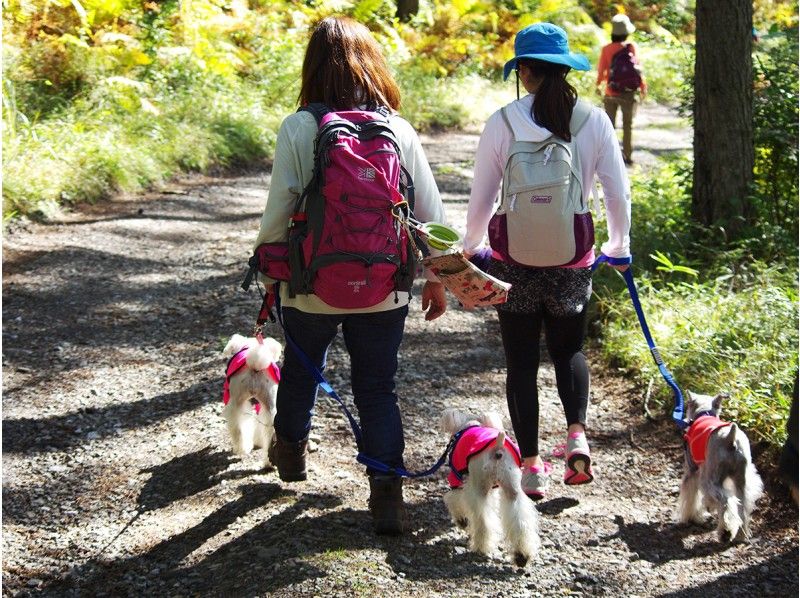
407, 9
723, 113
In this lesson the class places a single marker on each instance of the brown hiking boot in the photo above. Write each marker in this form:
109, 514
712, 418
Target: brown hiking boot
386, 504
289, 458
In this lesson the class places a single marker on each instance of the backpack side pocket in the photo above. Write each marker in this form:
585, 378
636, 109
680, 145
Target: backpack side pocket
273, 260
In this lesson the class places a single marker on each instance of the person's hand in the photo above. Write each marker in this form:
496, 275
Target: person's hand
434, 302
620, 267
481, 258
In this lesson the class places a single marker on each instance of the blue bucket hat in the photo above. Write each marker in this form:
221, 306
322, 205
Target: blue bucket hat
544, 41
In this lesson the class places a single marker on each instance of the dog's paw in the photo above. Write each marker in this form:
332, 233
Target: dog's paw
462, 522
520, 560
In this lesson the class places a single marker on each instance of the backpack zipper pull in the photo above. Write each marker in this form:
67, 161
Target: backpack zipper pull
547, 151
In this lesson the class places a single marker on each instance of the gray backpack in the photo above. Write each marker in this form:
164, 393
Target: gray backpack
543, 220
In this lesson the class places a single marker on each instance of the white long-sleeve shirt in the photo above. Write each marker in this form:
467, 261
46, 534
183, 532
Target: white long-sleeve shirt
599, 155
292, 170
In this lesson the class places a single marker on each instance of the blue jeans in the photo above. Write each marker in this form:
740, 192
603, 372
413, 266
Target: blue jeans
372, 340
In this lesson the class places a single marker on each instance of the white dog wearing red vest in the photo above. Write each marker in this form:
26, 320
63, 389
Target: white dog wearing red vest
250, 391
483, 459
719, 474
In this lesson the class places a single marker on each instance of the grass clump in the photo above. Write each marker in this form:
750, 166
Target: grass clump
724, 319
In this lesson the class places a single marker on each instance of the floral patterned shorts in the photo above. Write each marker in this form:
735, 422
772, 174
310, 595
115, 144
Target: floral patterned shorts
559, 292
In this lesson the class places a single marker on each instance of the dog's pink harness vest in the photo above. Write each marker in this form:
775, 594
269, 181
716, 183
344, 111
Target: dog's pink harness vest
697, 435
236, 363
472, 441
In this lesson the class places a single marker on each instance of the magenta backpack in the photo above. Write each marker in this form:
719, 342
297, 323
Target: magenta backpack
345, 244
624, 73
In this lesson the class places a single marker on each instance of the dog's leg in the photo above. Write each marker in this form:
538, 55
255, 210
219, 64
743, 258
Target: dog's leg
749, 494
455, 503
482, 516
269, 432
721, 492
689, 502
519, 517
240, 427
247, 427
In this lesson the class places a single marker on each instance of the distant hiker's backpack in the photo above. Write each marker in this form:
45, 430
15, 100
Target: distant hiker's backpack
542, 219
625, 74
345, 243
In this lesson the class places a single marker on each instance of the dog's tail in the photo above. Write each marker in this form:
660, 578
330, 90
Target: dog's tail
738, 443
501, 441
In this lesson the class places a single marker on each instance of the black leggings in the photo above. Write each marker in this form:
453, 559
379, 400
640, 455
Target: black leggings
564, 337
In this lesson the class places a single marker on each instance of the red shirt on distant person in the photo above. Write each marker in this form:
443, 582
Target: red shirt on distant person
604, 65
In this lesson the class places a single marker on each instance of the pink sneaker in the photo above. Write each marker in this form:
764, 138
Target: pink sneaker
559, 451
536, 479
579, 461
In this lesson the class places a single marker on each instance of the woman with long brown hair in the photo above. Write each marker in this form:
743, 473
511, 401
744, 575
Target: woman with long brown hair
345, 70
551, 297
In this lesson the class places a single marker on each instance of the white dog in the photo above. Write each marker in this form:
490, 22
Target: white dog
482, 459
251, 388
719, 474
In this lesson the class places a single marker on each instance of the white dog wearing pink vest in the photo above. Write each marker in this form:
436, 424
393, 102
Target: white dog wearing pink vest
485, 468
250, 391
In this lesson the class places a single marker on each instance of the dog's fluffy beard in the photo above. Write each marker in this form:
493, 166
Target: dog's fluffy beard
474, 506
247, 429
726, 483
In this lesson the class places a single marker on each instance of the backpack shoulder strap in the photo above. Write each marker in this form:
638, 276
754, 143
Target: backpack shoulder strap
383, 111
317, 109
508, 122
580, 114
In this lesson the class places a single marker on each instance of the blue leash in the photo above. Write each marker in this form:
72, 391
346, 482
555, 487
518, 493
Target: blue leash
323, 383
678, 412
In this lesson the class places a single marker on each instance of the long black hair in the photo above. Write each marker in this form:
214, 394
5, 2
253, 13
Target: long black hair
555, 98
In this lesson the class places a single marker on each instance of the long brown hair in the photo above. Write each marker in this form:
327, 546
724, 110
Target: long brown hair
554, 99
344, 68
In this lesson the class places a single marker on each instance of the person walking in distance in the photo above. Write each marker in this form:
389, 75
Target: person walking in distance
345, 71
545, 149
620, 80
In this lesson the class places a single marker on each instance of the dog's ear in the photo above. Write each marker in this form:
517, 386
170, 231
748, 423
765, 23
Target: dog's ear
491, 419
453, 420
691, 405
447, 421
236, 342
717, 402
275, 348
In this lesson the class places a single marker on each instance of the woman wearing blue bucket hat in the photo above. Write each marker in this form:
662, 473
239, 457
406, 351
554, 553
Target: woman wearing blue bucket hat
541, 235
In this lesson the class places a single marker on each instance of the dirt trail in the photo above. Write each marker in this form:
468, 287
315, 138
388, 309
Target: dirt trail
117, 479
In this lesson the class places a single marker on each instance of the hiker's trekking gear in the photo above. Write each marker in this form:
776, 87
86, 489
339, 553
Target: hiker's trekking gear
542, 219
624, 74
386, 505
536, 480
678, 412
348, 243
578, 466
289, 458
